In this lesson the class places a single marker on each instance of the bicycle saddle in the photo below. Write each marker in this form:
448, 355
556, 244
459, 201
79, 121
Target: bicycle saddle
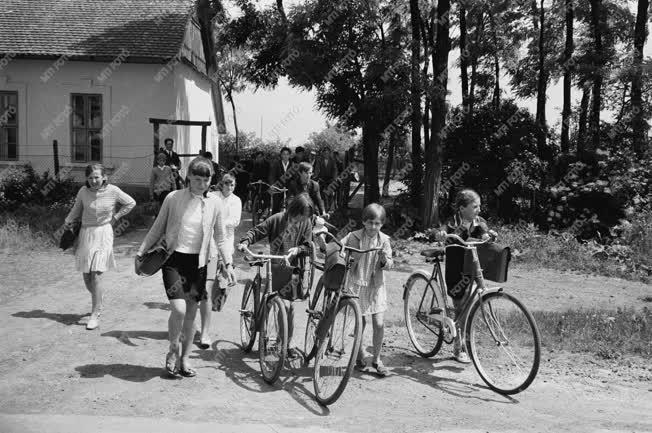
438, 253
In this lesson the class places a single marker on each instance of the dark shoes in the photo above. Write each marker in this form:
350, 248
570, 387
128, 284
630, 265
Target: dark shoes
293, 353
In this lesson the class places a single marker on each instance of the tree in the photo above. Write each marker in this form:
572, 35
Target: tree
231, 76
566, 66
439, 110
415, 100
597, 24
638, 122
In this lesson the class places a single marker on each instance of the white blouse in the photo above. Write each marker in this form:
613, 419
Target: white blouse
231, 214
191, 232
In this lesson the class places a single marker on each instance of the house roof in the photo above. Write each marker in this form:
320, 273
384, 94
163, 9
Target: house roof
145, 30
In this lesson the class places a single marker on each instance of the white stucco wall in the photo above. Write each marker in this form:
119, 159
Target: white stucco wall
131, 94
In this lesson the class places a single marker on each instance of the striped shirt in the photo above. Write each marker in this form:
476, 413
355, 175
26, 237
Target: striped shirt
96, 208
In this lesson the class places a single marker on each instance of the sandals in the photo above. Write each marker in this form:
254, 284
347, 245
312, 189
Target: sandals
380, 369
187, 371
171, 363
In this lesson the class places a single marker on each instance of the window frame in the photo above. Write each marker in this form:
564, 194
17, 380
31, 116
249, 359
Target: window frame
15, 126
87, 129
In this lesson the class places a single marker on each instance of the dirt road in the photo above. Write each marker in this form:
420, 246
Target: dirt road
56, 376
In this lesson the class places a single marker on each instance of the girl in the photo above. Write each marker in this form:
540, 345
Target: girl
161, 181
289, 232
187, 222
95, 205
230, 219
466, 223
368, 278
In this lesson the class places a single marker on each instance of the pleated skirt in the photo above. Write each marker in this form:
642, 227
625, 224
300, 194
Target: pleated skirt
95, 249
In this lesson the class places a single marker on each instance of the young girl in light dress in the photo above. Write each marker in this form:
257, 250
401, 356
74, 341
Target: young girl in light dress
95, 207
368, 278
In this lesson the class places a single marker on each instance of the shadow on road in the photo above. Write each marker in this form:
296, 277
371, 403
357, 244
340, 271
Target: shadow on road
237, 366
64, 318
426, 371
157, 306
130, 372
126, 336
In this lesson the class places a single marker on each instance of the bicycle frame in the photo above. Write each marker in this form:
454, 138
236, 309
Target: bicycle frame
475, 295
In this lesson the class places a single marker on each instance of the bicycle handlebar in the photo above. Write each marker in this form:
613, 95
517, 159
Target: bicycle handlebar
346, 247
260, 182
263, 256
466, 243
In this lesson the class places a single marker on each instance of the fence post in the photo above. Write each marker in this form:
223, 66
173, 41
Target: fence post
55, 149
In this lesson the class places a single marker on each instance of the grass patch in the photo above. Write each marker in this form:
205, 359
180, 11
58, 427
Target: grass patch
31, 227
607, 334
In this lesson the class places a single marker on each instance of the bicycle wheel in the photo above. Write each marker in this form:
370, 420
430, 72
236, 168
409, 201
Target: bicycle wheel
419, 301
272, 345
316, 307
248, 314
337, 353
503, 342
255, 207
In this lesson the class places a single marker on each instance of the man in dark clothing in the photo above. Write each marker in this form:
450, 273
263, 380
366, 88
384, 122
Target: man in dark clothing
299, 155
217, 174
172, 160
281, 175
303, 184
327, 174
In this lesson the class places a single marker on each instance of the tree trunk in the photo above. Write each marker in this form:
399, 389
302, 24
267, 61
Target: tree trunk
415, 101
235, 124
391, 147
581, 128
464, 57
638, 121
541, 88
370, 157
474, 61
568, 55
434, 149
495, 100
594, 120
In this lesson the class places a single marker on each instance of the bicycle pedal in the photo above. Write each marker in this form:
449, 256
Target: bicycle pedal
246, 313
436, 310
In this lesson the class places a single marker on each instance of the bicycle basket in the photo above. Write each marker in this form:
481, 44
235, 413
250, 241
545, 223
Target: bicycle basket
494, 259
334, 267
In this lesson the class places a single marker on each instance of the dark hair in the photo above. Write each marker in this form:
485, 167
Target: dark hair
208, 155
285, 149
464, 198
300, 206
200, 166
299, 149
372, 211
91, 168
304, 167
168, 139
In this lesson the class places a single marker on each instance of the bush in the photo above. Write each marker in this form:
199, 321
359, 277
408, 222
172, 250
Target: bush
22, 185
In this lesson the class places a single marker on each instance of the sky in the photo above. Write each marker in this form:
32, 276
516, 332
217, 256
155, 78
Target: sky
290, 113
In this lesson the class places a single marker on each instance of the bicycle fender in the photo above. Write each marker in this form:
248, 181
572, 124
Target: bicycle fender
492, 290
419, 272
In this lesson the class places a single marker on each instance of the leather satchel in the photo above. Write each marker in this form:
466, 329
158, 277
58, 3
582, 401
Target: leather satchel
153, 260
69, 235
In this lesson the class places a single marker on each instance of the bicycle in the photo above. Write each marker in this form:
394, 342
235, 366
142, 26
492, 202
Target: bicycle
334, 329
265, 313
259, 213
498, 331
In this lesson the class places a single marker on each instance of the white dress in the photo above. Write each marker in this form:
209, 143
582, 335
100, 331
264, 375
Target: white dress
372, 299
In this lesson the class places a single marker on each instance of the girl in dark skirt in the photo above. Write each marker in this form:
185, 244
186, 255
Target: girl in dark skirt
189, 225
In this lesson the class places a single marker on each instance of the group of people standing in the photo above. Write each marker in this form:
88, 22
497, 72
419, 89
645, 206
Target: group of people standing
196, 227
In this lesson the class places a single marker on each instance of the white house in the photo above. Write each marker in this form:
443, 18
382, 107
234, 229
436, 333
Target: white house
90, 74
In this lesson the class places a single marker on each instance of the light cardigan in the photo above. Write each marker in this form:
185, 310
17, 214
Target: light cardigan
96, 208
169, 220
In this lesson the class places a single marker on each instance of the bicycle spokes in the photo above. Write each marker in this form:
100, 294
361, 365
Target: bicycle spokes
504, 343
